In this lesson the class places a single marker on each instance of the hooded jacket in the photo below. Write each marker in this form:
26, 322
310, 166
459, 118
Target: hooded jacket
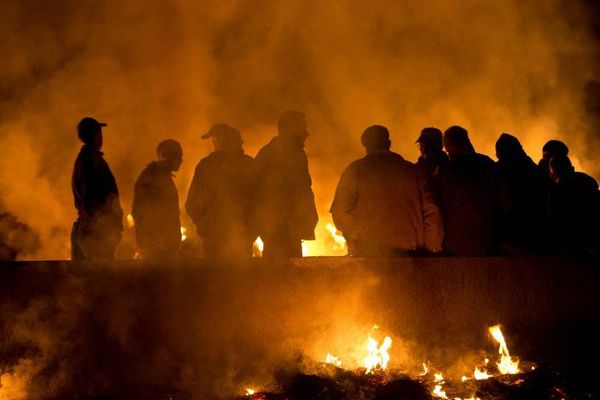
155, 210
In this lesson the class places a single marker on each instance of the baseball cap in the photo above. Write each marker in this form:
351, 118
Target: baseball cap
90, 123
222, 131
430, 135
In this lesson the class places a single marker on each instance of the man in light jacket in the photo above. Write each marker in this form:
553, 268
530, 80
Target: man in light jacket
380, 205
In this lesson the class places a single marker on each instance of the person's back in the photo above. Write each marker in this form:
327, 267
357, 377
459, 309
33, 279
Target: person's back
573, 209
221, 199
522, 223
286, 208
379, 204
155, 207
97, 231
469, 198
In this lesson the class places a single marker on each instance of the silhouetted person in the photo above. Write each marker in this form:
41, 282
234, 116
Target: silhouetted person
380, 205
551, 149
469, 197
155, 207
97, 230
432, 154
573, 209
286, 207
221, 199
522, 222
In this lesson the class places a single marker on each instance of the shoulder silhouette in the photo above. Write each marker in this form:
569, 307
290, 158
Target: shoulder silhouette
380, 205
97, 231
155, 207
221, 200
286, 208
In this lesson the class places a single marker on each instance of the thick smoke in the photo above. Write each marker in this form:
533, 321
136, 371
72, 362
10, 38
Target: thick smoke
171, 69
16, 238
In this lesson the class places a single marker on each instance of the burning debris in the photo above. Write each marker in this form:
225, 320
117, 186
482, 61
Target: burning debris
374, 380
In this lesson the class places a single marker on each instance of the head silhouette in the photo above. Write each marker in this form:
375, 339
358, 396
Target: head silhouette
508, 148
89, 131
292, 125
457, 142
554, 148
430, 142
224, 138
170, 152
376, 138
560, 167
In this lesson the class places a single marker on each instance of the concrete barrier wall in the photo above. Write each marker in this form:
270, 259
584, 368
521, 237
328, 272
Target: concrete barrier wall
209, 328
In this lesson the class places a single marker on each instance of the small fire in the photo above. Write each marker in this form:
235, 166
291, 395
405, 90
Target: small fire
337, 237
438, 392
378, 355
250, 391
425, 370
438, 377
130, 221
259, 244
333, 360
506, 365
183, 235
480, 375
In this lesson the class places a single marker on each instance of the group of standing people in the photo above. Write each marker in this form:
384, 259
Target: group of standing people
233, 198
453, 201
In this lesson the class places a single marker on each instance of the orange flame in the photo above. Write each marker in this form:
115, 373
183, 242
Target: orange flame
507, 364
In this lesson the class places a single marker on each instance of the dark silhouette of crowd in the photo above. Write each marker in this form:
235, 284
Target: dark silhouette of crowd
452, 201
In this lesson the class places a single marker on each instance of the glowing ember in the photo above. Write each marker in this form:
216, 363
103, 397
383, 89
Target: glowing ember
506, 365
333, 360
378, 357
480, 375
337, 237
183, 235
425, 370
130, 221
259, 244
438, 392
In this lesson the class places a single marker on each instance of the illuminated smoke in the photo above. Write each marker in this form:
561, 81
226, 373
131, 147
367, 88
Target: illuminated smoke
16, 238
171, 69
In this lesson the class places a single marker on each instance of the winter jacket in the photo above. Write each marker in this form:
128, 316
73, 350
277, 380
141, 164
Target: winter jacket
380, 204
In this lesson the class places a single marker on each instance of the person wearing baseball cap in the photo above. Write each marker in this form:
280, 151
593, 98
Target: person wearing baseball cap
97, 230
432, 156
221, 198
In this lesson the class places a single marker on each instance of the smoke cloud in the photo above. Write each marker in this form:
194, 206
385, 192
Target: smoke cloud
171, 69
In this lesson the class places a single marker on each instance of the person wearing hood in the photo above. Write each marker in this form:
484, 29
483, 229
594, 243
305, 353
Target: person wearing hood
522, 223
155, 207
470, 198
286, 206
573, 210
221, 198
97, 231
381, 206
552, 148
